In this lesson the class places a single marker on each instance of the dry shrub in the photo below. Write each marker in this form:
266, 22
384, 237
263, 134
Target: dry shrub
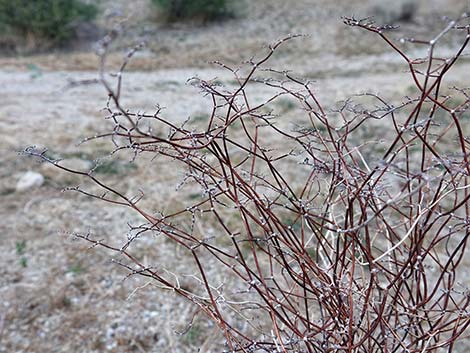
186, 10
343, 233
397, 11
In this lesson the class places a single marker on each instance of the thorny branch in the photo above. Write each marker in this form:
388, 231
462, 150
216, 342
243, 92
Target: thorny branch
343, 243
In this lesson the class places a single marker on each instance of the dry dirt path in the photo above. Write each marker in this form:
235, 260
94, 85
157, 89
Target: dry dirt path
41, 107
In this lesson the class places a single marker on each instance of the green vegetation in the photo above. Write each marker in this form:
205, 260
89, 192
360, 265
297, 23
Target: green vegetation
35, 71
20, 247
53, 20
113, 167
24, 262
193, 336
286, 104
20, 251
205, 10
76, 269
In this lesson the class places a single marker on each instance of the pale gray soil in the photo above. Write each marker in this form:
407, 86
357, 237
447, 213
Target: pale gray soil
56, 294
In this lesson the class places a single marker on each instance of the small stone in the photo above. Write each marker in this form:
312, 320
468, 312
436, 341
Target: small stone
29, 180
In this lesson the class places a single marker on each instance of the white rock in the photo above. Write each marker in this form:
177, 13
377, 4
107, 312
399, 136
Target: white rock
29, 180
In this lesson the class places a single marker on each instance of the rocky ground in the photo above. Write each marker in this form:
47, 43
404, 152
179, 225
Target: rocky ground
58, 295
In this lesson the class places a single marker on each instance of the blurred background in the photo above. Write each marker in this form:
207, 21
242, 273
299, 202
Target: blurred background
57, 295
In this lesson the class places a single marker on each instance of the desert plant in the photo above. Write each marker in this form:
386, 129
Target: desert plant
398, 11
326, 239
20, 251
51, 20
205, 10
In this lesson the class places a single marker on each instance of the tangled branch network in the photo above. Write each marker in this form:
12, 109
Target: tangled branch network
327, 239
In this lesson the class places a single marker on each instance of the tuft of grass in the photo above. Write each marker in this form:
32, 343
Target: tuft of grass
20, 251
113, 167
200, 118
76, 269
193, 336
286, 104
24, 262
411, 90
20, 247
34, 70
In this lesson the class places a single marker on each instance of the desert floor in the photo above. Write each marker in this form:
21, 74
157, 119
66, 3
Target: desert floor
57, 294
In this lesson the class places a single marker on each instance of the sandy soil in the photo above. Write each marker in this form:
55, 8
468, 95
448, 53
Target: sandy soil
57, 294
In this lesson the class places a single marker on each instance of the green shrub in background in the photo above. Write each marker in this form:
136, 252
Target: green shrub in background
204, 10
51, 20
